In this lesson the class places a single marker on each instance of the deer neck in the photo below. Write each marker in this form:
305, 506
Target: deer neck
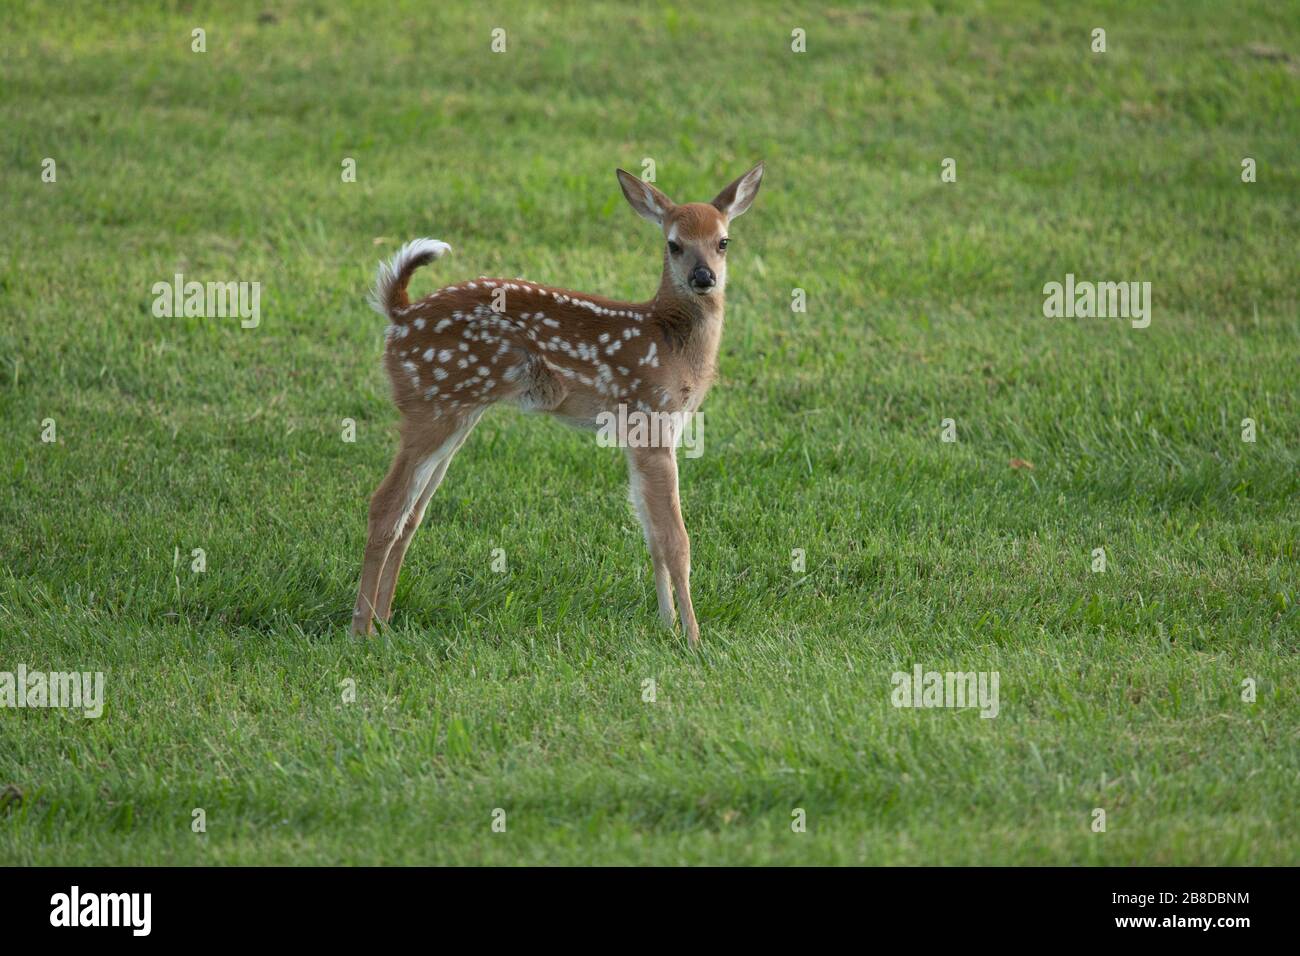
692, 325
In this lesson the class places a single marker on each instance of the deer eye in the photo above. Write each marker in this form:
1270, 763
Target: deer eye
674, 248
722, 245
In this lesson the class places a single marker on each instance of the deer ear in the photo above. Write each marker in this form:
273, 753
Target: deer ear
648, 202
736, 198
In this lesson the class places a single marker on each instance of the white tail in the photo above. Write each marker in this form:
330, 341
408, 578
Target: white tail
575, 356
389, 293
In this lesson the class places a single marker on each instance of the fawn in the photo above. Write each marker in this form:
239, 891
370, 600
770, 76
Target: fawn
453, 353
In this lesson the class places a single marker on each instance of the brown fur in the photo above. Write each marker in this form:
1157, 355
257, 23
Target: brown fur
467, 346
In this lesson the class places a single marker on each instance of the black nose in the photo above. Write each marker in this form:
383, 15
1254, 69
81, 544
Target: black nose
703, 277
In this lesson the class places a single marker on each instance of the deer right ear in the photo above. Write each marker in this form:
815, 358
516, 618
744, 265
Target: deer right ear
736, 198
648, 202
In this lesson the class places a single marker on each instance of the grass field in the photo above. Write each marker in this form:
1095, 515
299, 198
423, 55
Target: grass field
523, 690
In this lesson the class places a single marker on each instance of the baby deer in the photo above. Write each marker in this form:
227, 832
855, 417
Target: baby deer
453, 353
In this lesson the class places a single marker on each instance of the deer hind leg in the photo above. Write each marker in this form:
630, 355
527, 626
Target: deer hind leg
419, 456
654, 489
393, 564
397, 553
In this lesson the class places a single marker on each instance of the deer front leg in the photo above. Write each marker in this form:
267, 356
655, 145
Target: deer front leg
654, 491
663, 580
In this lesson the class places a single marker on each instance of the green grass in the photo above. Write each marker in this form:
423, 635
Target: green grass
522, 690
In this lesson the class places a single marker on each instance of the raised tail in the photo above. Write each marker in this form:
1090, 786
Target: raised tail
389, 293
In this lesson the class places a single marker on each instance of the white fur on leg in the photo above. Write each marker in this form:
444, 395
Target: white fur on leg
663, 582
425, 469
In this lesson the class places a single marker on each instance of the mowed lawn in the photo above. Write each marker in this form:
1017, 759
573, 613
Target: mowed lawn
524, 690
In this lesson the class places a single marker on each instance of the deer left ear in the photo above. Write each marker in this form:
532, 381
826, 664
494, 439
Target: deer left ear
737, 197
648, 202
